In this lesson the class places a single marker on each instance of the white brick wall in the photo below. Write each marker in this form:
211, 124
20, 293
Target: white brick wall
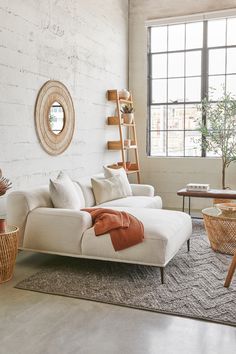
168, 174
84, 45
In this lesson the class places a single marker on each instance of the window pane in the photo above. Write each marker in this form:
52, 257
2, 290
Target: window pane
176, 65
176, 34
158, 143
193, 63
159, 65
158, 118
231, 60
192, 117
216, 61
231, 84
216, 87
231, 30
175, 143
216, 33
192, 143
175, 90
176, 117
194, 33
159, 39
159, 91
193, 89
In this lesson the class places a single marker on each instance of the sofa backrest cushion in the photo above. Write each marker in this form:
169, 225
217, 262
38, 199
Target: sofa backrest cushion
106, 189
64, 193
110, 172
86, 187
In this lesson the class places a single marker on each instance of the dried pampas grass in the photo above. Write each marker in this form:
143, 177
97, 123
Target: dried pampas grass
5, 184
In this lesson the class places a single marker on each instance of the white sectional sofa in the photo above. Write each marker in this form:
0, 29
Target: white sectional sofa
46, 229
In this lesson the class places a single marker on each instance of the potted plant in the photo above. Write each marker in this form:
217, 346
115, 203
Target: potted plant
127, 113
219, 134
5, 184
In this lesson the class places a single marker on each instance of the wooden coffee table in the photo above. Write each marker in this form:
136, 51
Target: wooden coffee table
212, 193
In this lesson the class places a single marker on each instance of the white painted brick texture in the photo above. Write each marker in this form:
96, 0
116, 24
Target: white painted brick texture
84, 45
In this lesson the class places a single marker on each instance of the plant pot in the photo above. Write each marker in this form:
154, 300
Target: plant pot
2, 225
128, 118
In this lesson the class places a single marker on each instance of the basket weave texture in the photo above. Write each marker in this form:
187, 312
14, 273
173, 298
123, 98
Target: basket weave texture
221, 232
8, 252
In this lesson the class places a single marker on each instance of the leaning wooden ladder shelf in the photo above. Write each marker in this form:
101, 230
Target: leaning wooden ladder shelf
124, 145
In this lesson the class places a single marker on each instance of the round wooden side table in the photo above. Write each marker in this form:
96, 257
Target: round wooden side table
8, 252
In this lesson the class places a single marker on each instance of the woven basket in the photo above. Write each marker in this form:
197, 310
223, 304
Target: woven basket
8, 252
221, 232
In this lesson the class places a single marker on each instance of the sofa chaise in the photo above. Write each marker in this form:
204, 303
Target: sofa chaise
46, 229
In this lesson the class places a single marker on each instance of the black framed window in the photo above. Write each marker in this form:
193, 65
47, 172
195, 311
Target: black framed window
186, 62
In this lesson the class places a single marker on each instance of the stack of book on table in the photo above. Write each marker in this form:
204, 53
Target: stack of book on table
197, 187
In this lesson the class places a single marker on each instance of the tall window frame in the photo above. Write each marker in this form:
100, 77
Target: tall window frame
165, 132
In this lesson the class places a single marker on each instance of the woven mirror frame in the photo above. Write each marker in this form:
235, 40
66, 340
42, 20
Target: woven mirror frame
54, 91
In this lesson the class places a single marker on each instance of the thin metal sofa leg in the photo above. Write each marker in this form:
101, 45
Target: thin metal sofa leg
162, 275
188, 244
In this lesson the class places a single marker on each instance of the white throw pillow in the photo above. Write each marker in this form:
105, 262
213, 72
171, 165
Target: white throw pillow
110, 172
106, 189
63, 192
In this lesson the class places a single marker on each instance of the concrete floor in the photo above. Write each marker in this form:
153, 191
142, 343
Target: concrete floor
33, 323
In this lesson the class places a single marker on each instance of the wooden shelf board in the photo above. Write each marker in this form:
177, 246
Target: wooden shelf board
131, 171
123, 124
130, 147
120, 148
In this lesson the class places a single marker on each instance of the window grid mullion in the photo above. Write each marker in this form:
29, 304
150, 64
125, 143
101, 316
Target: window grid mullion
167, 95
204, 86
184, 83
226, 54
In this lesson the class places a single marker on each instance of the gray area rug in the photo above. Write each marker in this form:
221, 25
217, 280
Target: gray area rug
193, 282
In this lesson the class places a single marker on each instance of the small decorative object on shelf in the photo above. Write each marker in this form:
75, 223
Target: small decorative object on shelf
198, 187
124, 94
124, 119
127, 143
127, 113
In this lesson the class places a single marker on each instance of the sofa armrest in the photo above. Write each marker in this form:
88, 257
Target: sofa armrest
56, 230
20, 203
142, 190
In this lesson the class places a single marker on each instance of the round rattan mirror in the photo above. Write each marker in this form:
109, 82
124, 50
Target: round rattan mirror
54, 117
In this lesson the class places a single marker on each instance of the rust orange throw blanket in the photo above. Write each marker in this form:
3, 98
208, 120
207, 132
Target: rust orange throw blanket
125, 230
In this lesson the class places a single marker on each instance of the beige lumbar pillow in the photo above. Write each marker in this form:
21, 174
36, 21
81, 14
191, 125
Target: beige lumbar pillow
63, 192
106, 189
110, 172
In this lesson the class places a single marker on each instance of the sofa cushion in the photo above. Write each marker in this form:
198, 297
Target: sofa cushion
165, 231
106, 189
85, 184
63, 193
135, 202
110, 172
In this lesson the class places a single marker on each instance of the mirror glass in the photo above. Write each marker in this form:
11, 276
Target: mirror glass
56, 118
